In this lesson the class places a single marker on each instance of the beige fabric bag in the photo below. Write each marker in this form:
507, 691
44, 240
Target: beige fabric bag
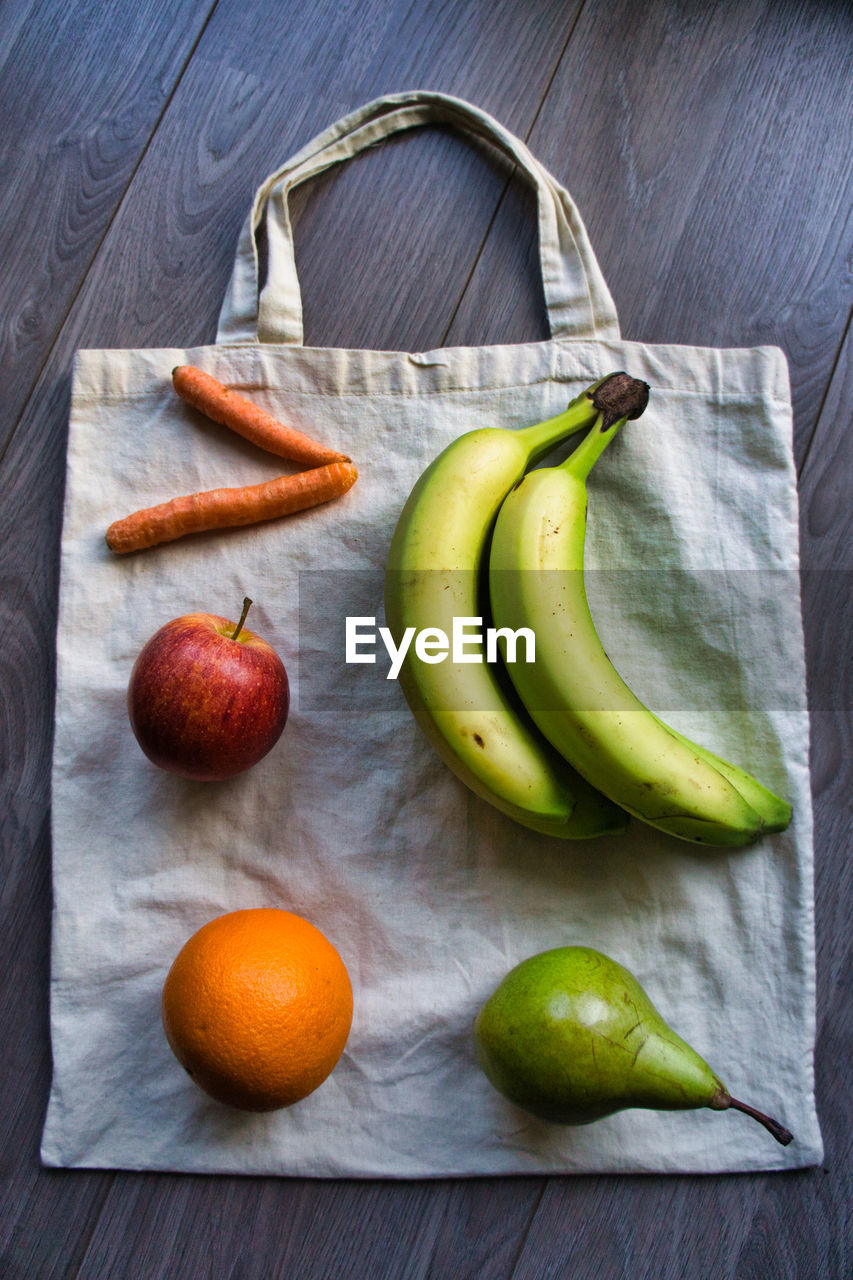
352, 821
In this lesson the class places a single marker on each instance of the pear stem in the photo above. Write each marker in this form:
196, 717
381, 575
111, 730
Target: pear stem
542, 437
247, 604
780, 1133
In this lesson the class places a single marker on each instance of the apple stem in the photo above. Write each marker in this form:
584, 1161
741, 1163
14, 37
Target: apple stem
247, 604
780, 1133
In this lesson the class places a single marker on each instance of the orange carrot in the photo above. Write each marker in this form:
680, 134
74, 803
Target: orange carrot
222, 508
248, 419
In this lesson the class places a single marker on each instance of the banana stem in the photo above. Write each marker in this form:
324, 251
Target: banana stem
608, 403
541, 437
581, 462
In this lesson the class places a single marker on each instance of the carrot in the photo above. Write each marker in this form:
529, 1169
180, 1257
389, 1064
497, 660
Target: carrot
248, 419
222, 508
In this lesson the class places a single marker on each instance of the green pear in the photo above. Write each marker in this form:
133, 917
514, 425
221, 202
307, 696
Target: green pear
571, 1036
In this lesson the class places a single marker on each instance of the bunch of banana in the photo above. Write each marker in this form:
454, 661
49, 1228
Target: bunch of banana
572, 692
435, 570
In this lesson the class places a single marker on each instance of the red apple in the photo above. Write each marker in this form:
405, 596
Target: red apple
207, 699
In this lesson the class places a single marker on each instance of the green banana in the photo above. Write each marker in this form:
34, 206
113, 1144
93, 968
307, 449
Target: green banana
775, 812
434, 573
572, 691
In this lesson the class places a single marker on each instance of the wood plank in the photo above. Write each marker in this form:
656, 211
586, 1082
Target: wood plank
351, 1230
414, 211
827, 558
82, 90
46, 1218
485, 1222
668, 1228
653, 109
826, 517
15, 14
427, 240
358, 233
161, 1226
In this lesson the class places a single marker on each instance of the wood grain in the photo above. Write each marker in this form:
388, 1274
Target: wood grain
727, 1228
680, 131
82, 90
827, 579
708, 148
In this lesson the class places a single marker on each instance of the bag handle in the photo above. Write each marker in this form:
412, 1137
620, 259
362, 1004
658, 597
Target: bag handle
577, 299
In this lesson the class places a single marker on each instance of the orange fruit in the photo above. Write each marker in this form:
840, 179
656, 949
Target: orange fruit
257, 1008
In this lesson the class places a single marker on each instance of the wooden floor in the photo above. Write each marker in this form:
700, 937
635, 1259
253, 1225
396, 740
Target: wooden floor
709, 148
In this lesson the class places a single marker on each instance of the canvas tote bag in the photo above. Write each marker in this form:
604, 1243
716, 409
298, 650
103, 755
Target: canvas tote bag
429, 894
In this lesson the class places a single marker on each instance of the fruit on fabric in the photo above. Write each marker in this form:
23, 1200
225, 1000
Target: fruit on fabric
257, 1008
434, 574
572, 691
207, 699
571, 1036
